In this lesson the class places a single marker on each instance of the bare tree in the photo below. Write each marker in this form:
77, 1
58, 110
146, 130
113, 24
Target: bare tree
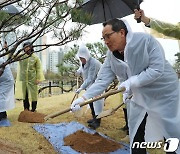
35, 19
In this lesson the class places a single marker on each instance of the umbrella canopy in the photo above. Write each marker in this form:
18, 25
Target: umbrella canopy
103, 10
11, 9
14, 11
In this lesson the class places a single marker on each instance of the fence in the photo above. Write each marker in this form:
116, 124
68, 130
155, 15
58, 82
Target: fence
48, 88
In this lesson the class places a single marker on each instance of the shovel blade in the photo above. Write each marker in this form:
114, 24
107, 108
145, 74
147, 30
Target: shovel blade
105, 113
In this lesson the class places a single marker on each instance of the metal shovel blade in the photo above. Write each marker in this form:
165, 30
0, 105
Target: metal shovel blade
105, 113
111, 111
108, 112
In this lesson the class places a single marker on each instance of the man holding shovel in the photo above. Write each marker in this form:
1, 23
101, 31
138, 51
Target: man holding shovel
89, 68
154, 110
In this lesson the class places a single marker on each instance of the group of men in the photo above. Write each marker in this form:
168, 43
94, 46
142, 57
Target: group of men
138, 60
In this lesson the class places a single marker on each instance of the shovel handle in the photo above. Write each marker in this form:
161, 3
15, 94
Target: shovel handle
76, 95
116, 108
77, 84
112, 92
74, 98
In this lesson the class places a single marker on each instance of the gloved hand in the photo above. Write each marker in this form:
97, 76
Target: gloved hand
78, 90
125, 96
126, 84
75, 104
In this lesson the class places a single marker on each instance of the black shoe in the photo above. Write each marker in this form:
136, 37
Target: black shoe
33, 111
90, 121
3, 115
2, 118
94, 125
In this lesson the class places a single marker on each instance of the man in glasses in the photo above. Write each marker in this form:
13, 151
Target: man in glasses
119, 55
154, 110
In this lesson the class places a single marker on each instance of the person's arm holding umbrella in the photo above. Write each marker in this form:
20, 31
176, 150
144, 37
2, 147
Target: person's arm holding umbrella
160, 26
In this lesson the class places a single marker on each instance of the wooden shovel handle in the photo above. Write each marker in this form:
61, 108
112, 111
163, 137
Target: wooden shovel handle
74, 97
116, 108
111, 92
77, 84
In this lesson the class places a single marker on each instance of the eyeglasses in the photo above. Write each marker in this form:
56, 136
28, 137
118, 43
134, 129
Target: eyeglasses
107, 36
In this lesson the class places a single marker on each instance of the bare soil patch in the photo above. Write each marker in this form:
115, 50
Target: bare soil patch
31, 117
90, 143
9, 148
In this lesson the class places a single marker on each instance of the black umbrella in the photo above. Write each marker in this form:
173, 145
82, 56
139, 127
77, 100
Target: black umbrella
11, 9
100, 11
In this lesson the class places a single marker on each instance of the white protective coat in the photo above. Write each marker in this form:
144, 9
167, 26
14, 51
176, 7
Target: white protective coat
89, 73
7, 100
154, 84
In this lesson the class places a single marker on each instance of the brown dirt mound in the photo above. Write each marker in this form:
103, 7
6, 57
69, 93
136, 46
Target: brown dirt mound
8, 148
90, 143
31, 117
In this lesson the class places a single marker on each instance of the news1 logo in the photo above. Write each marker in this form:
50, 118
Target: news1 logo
171, 144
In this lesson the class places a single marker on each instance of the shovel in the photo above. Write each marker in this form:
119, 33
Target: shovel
77, 84
111, 111
76, 95
111, 92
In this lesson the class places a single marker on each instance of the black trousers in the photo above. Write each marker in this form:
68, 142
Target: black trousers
3, 115
139, 137
92, 110
27, 105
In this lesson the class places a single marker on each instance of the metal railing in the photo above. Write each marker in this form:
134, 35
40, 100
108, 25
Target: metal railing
48, 88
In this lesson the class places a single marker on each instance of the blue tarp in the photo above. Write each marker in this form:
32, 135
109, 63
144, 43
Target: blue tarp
55, 134
5, 123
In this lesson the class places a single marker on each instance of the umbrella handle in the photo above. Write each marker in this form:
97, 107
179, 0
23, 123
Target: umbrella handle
138, 19
112, 92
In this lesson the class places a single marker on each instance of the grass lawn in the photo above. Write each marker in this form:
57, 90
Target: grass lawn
26, 138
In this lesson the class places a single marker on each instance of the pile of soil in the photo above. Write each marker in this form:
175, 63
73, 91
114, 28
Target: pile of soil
9, 148
90, 143
31, 117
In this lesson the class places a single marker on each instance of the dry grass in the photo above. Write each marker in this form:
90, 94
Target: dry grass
26, 138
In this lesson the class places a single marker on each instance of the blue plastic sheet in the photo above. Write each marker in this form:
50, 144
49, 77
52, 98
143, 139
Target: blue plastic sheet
55, 134
5, 123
